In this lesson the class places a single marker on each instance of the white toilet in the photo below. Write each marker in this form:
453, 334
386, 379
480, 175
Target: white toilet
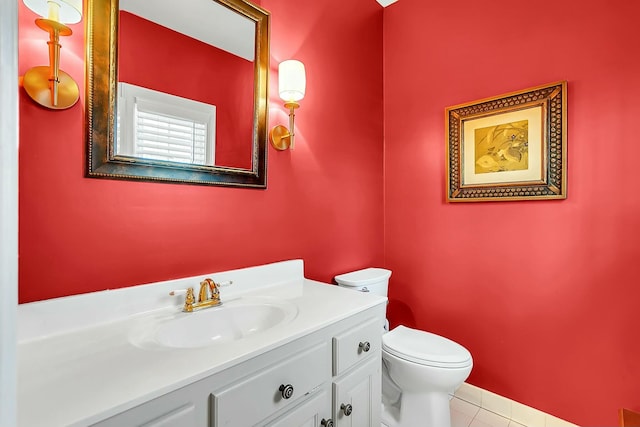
420, 369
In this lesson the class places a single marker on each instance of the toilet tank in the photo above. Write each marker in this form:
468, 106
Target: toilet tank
375, 280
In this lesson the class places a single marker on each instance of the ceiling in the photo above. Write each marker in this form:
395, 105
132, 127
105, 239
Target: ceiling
386, 3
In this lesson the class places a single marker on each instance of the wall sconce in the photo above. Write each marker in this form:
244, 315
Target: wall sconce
50, 86
292, 82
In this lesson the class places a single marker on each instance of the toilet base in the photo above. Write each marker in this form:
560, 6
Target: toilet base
418, 410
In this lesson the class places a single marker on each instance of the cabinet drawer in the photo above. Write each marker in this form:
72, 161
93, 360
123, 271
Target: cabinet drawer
176, 409
309, 413
257, 397
351, 346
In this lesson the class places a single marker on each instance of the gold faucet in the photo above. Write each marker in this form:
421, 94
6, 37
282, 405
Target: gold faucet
209, 296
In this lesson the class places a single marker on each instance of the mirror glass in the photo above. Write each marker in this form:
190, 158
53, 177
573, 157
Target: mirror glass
185, 95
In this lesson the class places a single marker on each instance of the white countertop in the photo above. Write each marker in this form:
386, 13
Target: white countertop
73, 375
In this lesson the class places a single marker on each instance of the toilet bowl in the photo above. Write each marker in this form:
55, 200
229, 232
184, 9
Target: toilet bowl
424, 370
420, 369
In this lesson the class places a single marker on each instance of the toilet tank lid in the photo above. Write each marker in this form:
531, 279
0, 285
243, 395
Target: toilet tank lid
363, 277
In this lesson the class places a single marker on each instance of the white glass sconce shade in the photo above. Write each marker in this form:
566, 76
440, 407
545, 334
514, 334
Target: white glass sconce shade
292, 80
63, 11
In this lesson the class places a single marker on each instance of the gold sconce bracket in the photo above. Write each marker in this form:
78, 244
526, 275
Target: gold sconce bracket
50, 86
38, 86
280, 136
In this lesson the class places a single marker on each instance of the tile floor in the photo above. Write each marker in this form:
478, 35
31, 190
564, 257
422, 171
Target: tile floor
474, 407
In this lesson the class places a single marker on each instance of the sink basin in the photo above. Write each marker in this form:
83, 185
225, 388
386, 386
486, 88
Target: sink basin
229, 322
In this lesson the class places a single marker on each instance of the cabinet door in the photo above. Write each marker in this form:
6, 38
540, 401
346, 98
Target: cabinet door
311, 413
356, 396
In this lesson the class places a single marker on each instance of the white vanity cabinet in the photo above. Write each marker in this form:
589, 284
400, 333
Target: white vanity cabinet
330, 377
285, 351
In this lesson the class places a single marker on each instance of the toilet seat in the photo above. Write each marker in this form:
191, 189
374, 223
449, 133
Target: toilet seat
425, 348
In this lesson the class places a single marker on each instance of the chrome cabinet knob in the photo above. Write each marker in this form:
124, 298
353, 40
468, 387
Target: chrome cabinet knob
326, 423
286, 391
364, 346
347, 409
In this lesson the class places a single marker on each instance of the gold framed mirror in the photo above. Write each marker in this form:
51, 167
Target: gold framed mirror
149, 77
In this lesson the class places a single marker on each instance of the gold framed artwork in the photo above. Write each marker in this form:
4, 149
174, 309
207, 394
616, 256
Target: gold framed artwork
509, 147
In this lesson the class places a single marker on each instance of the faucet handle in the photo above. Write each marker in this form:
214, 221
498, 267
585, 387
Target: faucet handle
188, 300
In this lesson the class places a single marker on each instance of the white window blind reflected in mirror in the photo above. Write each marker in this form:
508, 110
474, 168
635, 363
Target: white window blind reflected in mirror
158, 126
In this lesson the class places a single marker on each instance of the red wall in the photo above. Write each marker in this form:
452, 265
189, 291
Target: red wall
195, 70
544, 294
323, 202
